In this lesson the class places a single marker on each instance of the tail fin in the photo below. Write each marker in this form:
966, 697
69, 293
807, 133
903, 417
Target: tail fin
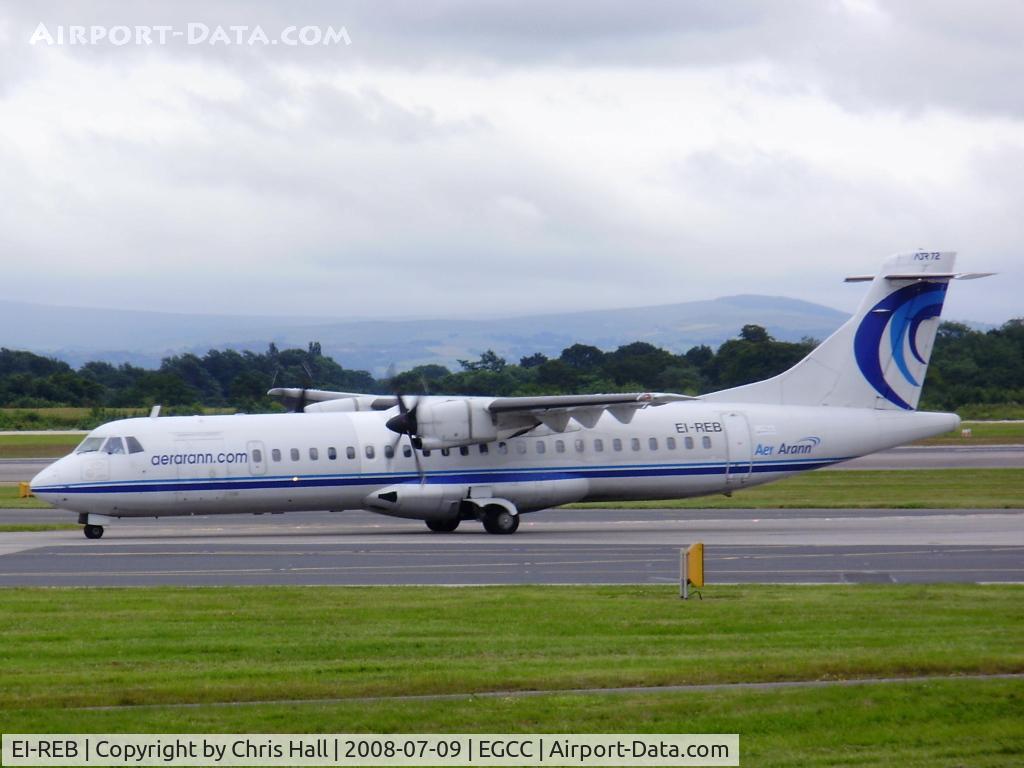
878, 358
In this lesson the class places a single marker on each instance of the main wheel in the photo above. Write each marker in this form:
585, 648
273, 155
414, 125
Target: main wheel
500, 521
443, 526
93, 531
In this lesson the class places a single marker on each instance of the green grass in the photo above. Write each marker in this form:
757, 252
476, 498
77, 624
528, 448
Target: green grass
37, 446
61, 649
864, 489
84, 418
35, 527
948, 723
982, 433
128, 646
10, 499
981, 411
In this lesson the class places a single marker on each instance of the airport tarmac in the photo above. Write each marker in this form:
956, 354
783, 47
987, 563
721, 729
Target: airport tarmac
551, 547
907, 457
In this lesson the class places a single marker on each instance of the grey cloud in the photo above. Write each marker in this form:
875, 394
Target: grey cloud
909, 56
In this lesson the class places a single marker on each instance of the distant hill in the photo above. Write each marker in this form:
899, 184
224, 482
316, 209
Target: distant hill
77, 334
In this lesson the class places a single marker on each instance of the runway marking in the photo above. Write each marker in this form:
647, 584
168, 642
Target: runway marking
946, 549
880, 572
640, 689
321, 552
339, 568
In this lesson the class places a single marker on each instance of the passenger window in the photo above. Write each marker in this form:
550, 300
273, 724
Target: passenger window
370, 452
464, 450
406, 451
705, 441
113, 445
617, 444
670, 443
559, 446
332, 453
295, 454
541, 447
134, 446
502, 448
599, 445
521, 447
579, 446
634, 443
652, 443
314, 454
689, 443
257, 455
483, 448
275, 454
389, 451
350, 452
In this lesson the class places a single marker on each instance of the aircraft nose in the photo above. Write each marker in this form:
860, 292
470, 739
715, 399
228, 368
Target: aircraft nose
46, 479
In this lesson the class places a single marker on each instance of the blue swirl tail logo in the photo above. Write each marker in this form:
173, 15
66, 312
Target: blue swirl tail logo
902, 312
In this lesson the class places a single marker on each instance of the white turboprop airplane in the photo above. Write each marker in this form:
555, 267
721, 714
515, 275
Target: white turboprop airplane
448, 459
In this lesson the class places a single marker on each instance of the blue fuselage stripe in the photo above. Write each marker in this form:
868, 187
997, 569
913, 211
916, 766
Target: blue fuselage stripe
449, 477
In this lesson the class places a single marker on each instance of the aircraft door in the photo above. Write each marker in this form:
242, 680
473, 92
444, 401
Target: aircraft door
257, 453
740, 451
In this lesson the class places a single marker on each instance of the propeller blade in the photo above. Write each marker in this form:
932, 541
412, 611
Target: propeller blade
405, 422
419, 464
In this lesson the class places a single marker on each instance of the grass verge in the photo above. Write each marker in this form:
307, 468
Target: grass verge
10, 498
955, 723
38, 446
128, 646
157, 647
864, 489
982, 433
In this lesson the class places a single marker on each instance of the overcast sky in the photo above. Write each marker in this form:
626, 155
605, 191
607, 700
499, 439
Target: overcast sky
468, 158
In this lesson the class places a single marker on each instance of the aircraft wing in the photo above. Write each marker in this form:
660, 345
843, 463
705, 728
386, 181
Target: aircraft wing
507, 415
555, 410
292, 395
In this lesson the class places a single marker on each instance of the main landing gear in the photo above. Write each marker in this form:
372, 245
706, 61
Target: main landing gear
443, 526
496, 519
93, 531
499, 520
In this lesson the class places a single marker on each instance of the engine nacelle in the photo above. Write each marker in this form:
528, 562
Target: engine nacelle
451, 423
417, 502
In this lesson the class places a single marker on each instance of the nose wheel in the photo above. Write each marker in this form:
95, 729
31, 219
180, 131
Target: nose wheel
93, 531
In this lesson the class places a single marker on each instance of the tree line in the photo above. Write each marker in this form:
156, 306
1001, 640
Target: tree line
968, 367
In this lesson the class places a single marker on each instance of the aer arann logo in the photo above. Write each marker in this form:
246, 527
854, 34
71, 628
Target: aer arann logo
799, 447
901, 314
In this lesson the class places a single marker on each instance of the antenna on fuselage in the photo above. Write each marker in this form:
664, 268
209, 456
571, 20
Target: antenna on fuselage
154, 411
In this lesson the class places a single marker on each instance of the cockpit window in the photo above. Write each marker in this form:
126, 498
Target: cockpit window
113, 445
134, 446
89, 445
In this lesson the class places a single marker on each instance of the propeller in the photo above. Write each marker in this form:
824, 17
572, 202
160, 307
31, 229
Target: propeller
295, 403
405, 424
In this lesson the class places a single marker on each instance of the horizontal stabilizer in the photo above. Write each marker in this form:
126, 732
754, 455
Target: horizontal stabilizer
921, 276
